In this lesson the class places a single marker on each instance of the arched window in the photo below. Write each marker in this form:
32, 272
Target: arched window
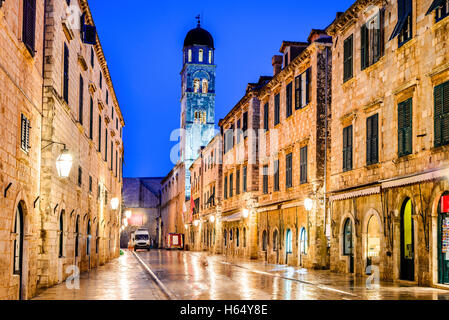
275, 240
205, 86
347, 238
210, 56
190, 55
200, 55
88, 238
237, 237
77, 235
196, 85
373, 239
18, 241
264, 241
244, 237
288, 241
61, 234
303, 244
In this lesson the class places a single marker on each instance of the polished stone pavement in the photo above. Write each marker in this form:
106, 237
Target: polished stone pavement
199, 276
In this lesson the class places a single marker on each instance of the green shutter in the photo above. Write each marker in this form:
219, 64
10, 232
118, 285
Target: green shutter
405, 128
364, 47
438, 96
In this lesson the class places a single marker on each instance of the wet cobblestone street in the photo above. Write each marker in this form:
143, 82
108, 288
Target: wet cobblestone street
198, 276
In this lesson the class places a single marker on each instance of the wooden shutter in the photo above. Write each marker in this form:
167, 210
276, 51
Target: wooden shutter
276, 175
245, 122
288, 102
99, 133
375, 139
445, 122
298, 92
91, 116
81, 100
276, 109
364, 33
439, 114
29, 24
347, 148
303, 165
348, 53
265, 117
308, 82
405, 128
66, 74
372, 139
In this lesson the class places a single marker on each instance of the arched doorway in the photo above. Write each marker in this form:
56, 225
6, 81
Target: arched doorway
348, 248
89, 236
407, 242
264, 241
303, 244
288, 244
373, 241
276, 244
18, 246
443, 239
61, 234
77, 230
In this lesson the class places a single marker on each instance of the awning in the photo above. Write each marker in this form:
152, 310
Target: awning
401, 21
428, 176
355, 194
233, 217
435, 4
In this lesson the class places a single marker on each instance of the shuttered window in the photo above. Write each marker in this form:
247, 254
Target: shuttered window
80, 176
405, 128
441, 96
265, 179
245, 122
91, 119
302, 89
372, 140
288, 171
276, 175
225, 189
231, 185
106, 145
303, 165
347, 148
403, 28
81, 101
372, 39
92, 57
245, 184
276, 109
66, 74
348, 49
25, 134
266, 123
288, 100
99, 133
29, 25
237, 182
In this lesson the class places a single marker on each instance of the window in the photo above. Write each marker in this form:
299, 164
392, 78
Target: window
244, 179
225, 189
289, 242
66, 74
347, 148
101, 80
107, 99
25, 134
264, 241
196, 85
237, 182
18, 241
92, 56
81, 101
99, 133
303, 242
276, 109
90, 184
288, 101
245, 122
231, 185
29, 25
210, 56
89, 236
190, 55
288, 171
77, 235
441, 97
112, 155
61, 234
106, 145
276, 175
200, 55
239, 132
91, 119
229, 139
303, 165
403, 28
372, 40
302, 89
347, 238
348, 48
205, 86
442, 9
265, 179
372, 140
405, 128
266, 124
80, 176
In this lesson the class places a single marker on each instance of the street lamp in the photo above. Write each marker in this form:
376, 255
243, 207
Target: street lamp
128, 214
245, 213
195, 223
64, 163
308, 204
114, 203
212, 219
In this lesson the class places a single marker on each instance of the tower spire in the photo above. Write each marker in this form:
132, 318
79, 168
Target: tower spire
198, 17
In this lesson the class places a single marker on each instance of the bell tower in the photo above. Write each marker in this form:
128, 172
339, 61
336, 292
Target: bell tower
197, 96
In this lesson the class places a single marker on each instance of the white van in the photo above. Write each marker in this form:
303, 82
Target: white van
142, 239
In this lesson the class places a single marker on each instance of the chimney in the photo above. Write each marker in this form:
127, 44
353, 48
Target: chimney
277, 64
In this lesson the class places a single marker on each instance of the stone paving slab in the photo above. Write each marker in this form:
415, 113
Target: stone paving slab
120, 279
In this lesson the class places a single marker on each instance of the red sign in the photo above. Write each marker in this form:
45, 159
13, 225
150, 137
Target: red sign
445, 204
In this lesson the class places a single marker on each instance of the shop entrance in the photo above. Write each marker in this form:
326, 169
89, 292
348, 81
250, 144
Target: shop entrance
348, 248
18, 247
407, 243
443, 240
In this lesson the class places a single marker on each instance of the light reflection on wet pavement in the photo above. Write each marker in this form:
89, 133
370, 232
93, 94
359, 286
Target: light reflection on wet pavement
188, 278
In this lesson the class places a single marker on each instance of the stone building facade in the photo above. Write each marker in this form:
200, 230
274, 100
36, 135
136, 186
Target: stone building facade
141, 198
52, 97
21, 59
390, 140
294, 107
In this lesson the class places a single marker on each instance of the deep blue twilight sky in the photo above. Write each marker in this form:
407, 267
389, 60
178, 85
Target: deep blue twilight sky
143, 39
